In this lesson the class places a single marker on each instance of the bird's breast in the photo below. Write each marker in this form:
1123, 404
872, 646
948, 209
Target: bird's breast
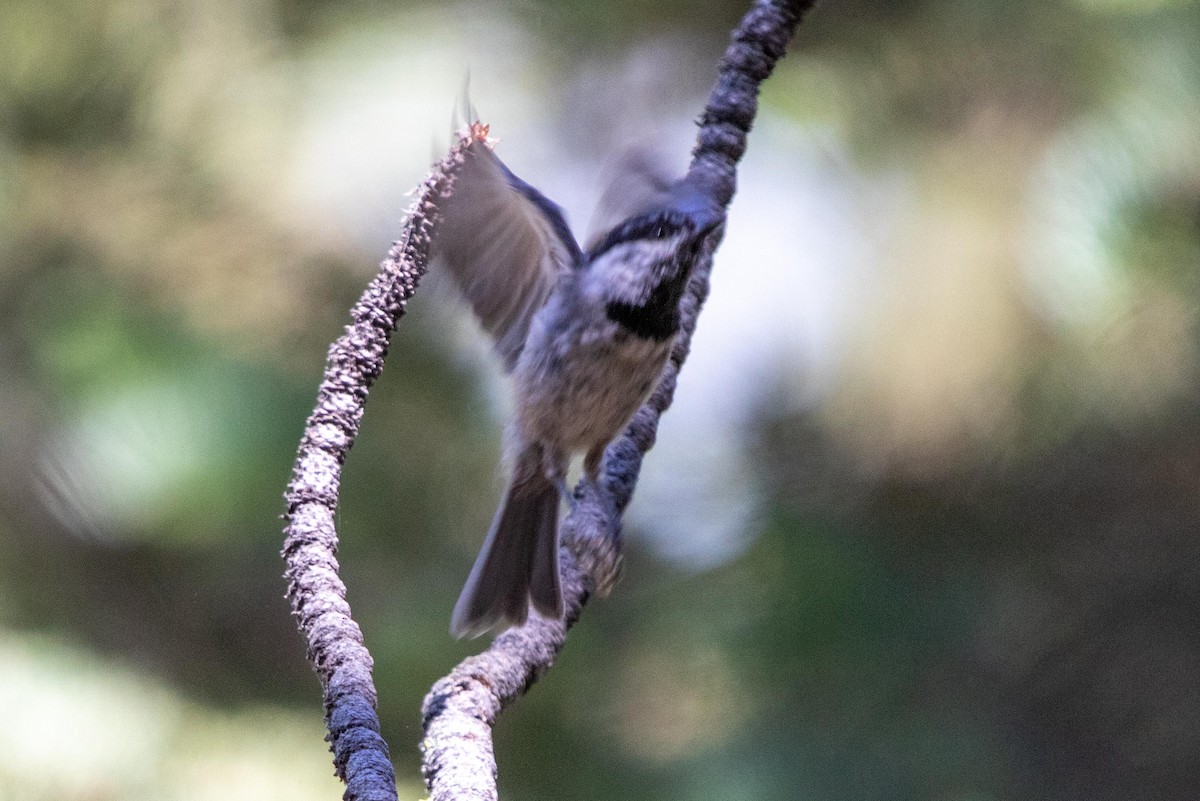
580, 380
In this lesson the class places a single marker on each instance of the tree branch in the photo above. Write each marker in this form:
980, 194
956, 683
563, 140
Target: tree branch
459, 763
317, 594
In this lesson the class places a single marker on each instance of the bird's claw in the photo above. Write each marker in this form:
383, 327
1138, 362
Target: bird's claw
561, 483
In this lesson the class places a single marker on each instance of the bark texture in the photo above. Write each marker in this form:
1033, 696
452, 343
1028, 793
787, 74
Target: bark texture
316, 593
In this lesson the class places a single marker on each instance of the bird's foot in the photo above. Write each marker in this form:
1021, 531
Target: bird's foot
561, 483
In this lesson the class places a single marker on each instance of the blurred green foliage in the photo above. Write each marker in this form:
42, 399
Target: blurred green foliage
974, 573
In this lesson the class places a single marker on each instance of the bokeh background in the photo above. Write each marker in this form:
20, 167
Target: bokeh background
922, 524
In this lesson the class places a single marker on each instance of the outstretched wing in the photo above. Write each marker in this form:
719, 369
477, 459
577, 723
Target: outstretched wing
505, 244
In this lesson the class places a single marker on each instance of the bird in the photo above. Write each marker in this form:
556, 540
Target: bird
584, 335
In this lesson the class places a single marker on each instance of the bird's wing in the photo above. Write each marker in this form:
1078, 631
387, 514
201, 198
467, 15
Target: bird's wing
638, 182
505, 244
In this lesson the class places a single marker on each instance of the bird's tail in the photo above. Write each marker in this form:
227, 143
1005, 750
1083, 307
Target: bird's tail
519, 559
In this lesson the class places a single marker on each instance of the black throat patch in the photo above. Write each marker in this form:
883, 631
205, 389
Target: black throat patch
658, 317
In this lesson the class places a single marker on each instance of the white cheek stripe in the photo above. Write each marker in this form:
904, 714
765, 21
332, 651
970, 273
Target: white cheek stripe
628, 271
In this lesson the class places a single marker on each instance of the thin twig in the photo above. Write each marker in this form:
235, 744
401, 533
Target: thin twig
458, 759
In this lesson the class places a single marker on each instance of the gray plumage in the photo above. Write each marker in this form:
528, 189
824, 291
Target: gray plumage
585, 337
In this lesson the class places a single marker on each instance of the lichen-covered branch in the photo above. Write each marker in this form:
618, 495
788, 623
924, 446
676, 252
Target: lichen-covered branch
317, 594
459, 763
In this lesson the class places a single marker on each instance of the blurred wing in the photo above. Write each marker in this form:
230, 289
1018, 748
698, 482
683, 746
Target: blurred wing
506, 246
640, 181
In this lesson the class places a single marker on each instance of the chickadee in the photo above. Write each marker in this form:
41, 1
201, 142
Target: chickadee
585, 336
